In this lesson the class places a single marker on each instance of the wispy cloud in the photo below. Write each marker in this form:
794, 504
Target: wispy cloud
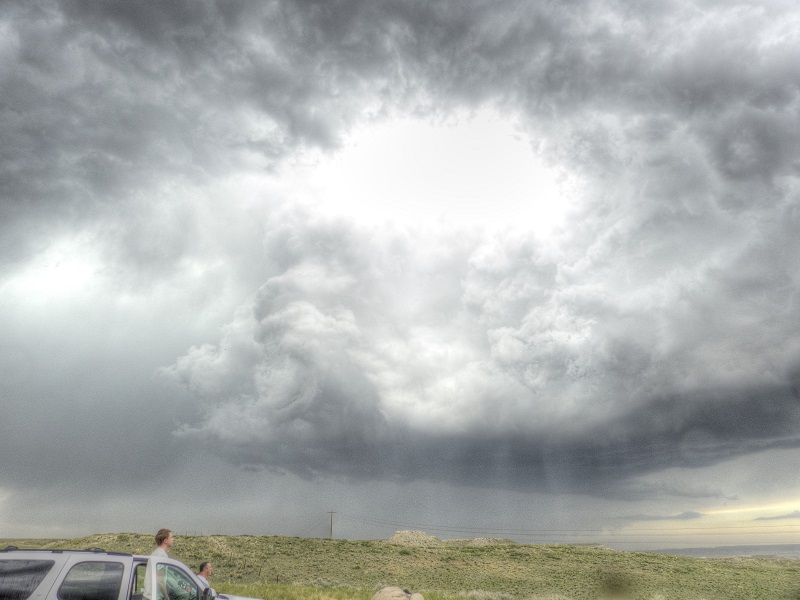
684, 516
791, 515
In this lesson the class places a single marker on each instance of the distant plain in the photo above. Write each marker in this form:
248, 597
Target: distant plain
277, 568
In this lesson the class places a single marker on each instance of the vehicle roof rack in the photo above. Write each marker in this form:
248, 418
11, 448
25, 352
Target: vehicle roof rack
93, 550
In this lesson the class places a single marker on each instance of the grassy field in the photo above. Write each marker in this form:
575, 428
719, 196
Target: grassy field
286, 568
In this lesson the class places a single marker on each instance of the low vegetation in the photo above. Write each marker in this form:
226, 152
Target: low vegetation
286, 568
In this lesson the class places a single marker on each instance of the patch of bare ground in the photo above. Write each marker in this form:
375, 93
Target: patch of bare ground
414, 538
420, 538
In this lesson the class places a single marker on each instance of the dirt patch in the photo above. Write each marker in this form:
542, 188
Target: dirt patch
414, 538
420, 538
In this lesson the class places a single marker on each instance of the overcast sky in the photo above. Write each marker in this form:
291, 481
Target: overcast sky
509, 268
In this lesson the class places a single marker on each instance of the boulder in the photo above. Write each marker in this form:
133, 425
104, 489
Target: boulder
396, 593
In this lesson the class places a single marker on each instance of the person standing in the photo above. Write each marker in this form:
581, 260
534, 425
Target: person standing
205, 572
164, 541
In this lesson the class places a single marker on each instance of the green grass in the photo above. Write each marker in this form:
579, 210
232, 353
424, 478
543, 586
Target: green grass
286, 568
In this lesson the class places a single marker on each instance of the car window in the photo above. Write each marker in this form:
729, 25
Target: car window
180, 585
92, 581
18, 578
176, 582
137, 586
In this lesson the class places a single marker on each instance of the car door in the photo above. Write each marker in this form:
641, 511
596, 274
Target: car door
167, 579
87, 577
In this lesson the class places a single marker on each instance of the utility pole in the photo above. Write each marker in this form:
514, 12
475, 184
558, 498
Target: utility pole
331, 513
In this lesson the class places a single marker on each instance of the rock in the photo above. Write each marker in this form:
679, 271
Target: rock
396, 593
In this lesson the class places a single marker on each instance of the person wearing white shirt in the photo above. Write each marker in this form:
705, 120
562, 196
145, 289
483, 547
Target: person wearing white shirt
205, 572
164, 541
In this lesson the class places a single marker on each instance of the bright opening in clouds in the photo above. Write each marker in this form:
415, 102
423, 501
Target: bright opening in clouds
61, 271
465, 171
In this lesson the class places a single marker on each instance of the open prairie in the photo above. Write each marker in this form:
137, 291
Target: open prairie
273, 567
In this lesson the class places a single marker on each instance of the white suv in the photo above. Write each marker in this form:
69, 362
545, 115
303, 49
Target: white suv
94, 575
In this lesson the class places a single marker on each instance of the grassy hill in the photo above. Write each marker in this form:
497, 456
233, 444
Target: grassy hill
273, 567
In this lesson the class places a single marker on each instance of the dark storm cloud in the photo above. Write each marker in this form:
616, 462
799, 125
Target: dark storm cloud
343, 442
661, 332
103, 98
109, 108
329, 371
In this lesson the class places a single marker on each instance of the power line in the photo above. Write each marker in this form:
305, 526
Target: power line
315, 527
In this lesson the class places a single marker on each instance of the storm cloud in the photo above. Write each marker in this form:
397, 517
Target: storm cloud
168, 298
472, 374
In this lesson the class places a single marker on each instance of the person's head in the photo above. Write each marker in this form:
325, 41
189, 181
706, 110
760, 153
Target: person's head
205, 569
165, 538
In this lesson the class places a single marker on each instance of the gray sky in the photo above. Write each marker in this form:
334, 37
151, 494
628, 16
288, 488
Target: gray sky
512, 269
